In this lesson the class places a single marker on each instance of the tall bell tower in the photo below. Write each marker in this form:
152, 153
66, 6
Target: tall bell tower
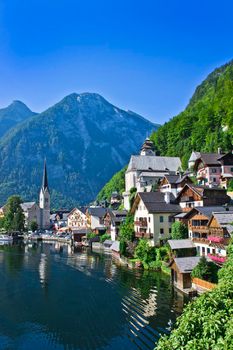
44, 201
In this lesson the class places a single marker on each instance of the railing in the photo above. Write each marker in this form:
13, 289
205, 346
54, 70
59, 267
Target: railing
203, 284
199, 228
140, 223
217, 258
200, 240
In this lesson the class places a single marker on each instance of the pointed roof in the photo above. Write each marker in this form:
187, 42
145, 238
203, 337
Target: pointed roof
45, 184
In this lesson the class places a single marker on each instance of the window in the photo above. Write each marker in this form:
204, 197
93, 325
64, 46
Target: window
214, 179
208, 250
161, 219
232, 170
149, 219
161, 231
170, 230
214, 171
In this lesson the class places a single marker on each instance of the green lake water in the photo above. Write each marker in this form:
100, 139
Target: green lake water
53, 298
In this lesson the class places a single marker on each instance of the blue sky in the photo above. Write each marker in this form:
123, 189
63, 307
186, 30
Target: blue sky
147, 56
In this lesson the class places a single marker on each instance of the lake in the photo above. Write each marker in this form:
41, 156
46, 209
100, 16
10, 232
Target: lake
54, 298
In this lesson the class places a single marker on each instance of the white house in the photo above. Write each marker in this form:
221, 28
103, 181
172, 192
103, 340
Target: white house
146, 169
153, 215
77, 218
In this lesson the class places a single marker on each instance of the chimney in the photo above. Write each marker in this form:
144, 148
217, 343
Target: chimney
167, 197
219, 150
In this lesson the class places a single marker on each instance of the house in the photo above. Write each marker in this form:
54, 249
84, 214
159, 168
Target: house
95, 218
77, 218
198, 196
182, 247
181, 269
59, 219
31, 213
220, 232
210, 229
77, 234
153, 215
214, 169
115, 200
112, 221
145, 170
174, 183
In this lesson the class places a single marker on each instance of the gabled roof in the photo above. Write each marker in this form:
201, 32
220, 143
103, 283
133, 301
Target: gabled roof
97, 211
155, 202
116, 246
224, 218
81, 209
208, 211
209, 159
194, 156
27, 205
154, 163
180, 244
201, 190
186, 265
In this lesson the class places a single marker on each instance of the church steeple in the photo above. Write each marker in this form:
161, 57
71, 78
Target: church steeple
45, 184
45, 201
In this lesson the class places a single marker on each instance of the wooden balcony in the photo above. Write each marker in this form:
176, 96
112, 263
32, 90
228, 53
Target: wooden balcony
203, 229
201, 240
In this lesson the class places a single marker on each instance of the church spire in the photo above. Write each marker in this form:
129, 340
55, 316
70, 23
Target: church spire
45, 184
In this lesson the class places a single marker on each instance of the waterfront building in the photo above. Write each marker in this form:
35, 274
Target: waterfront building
146, 169
153, 215
112, 221
181, 269
77, 218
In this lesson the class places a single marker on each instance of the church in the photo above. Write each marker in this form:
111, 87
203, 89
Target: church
39, 213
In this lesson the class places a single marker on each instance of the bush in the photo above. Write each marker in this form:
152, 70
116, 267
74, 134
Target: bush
91, 235
179, 230
206, 270
104, 237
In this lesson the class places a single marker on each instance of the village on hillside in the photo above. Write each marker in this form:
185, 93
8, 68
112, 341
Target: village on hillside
180, 221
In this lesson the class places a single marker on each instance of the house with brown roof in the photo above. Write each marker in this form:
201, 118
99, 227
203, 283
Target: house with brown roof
153, 215
214, 169
112, 221
199, 230
199, 196
77, 218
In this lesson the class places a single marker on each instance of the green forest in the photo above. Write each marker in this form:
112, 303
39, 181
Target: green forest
206, 123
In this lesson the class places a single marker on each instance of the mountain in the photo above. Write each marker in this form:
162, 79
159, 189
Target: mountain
15, 113
85, 140
207, 121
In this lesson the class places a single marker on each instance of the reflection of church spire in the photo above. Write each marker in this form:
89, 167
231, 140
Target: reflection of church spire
45, 184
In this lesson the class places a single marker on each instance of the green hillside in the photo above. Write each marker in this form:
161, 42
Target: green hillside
116, 183
206, 123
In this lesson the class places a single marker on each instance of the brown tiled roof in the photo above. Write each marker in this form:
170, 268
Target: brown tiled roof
211, 158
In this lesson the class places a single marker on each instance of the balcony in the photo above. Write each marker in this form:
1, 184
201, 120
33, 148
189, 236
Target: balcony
217, 258
200, 240
200, 228
141, 223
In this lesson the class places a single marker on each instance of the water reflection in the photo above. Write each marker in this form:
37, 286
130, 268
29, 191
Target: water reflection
89, 303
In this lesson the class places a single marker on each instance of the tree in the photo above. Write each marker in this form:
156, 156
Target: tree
142, 250
206, 322
179, 230
206, 270
127, 229
33, 226
14, 218
133, 192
